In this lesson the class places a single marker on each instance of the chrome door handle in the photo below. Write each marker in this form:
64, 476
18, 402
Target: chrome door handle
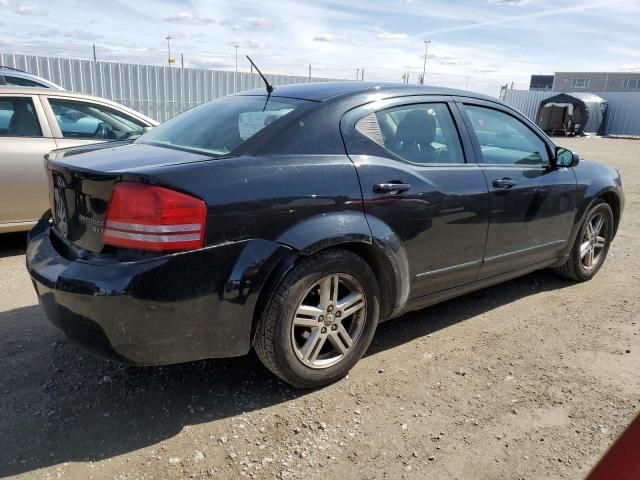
391, 187
504, 183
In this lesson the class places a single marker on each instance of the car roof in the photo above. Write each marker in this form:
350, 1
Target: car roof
50, 92
17, 73
322, 91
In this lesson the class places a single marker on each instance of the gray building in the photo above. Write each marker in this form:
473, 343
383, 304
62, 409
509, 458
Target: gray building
596, 82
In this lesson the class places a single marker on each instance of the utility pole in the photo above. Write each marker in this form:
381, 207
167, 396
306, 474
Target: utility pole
362, 72
168, 39
95, 59
235, 75
309, 72
357, 73
182, 60
424, 67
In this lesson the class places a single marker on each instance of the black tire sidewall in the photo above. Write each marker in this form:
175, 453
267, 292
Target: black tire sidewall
605, 209
333, 262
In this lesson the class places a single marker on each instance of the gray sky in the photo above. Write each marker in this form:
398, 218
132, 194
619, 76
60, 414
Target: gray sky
480, 42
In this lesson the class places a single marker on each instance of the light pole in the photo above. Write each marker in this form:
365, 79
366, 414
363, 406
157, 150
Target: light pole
424, 67
235, 75
169, 49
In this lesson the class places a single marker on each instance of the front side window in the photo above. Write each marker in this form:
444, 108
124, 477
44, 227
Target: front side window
504, 139
18, 118
78, 119
420, 133
219, 127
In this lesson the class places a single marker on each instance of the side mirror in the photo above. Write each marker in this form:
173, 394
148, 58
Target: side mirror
566, 158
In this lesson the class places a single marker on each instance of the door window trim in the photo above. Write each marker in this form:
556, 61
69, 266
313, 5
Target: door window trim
467, 149
462, 102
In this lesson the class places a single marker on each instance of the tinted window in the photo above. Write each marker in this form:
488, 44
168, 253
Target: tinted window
18, 118
504, 139
21, 82
88, 120
423, 133
219, 127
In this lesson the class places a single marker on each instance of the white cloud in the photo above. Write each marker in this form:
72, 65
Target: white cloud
509, 2
187, 18
81, 35
392, 36
328, 37
257, 22
31, 11
630, 67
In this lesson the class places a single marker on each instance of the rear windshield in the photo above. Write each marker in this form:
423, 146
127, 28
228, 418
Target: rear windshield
221, 126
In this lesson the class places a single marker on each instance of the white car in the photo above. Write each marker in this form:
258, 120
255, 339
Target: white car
14, 77
34, 121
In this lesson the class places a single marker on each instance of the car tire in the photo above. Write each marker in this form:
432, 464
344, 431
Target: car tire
590, 245
304, 332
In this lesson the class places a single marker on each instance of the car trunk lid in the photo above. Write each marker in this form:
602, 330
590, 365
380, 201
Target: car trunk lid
81, 181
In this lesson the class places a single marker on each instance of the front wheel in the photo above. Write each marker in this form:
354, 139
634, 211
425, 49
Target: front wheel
591, 246
320, 320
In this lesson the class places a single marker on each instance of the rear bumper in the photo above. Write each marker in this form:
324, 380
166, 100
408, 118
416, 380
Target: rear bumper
172, 309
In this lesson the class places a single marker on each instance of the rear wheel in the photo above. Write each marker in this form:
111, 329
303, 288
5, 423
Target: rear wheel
320, 320
591, 246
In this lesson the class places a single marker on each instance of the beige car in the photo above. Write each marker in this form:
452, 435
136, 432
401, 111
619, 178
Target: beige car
34, 121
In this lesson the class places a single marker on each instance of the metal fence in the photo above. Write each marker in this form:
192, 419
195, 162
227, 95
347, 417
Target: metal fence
623, 114
157, 91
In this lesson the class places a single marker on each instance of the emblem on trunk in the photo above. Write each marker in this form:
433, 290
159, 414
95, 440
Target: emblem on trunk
60, 206
95, 225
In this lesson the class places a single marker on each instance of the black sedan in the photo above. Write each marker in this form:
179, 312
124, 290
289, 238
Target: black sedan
294, 222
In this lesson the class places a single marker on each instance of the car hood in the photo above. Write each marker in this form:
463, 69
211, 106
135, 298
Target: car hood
118, 157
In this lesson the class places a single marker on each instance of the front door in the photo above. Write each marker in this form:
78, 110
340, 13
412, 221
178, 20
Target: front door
532, 206
80, 122
419, 180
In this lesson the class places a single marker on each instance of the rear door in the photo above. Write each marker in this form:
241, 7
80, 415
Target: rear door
419, 177
25, 137
532, 206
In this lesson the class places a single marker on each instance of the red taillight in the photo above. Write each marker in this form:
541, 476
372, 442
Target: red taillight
146, 217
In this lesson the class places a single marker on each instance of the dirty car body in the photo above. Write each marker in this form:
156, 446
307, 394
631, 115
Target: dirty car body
334, 171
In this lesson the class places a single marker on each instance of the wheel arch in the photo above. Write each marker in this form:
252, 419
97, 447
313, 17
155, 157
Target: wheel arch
609, 195
613, 199
375, 257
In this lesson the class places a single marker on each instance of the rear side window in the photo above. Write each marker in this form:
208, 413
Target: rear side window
219, 127
18, 118
421, 133
504, 139
78, 119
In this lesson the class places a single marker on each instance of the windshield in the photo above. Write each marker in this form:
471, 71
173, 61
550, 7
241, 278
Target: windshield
219, 127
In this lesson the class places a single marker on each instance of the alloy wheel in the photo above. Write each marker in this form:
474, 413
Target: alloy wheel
329, 321
594, 241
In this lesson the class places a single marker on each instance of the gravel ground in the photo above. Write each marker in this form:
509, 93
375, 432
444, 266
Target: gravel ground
530, 379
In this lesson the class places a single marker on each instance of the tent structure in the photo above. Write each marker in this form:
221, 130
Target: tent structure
574, 113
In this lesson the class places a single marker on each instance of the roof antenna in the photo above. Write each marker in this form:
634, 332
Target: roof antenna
270, 88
